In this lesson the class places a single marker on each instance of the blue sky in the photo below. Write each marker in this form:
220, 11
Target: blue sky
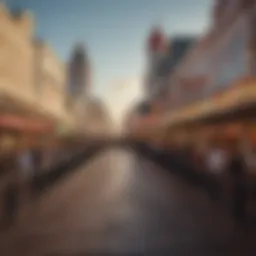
114, 31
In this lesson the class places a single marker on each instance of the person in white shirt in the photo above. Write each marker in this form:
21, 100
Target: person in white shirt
217, 159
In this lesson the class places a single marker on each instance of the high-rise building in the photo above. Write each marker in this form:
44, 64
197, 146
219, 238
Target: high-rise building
179, 46
156, 42
89, 114
156, 51
164, 55
79, 73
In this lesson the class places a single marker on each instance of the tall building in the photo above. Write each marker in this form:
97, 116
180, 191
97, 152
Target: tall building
50, 78
78, 83
79, 73
162, 57
31, 79
178, 47
89, 114
156, 51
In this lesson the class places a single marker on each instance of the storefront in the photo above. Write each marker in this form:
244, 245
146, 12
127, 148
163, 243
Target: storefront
20, 129
216, 86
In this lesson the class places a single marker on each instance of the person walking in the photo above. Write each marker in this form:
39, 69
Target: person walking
26, 172
217, 159
237, 173
11, 188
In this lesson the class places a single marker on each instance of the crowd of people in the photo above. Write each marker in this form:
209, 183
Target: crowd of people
232, 163
20, 163
229, 162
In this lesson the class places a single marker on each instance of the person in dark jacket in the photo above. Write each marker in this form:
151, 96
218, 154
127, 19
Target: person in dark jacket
238, 186
11, 192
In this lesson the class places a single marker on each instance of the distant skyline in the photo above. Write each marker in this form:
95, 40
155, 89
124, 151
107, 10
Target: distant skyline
114, 31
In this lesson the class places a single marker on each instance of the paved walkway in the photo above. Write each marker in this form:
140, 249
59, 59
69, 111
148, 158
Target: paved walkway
122, 204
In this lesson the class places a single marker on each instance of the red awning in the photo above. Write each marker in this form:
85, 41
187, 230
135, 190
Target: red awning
25, 124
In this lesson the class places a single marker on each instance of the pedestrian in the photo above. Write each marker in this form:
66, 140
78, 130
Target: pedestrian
37, 159
216, 160
11, 190
238, 185
198, 159
26, 171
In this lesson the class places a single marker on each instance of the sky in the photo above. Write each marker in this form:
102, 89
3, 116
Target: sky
117, 101
114, 31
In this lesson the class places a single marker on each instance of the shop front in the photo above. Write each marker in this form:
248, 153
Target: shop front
20, 129
216, 87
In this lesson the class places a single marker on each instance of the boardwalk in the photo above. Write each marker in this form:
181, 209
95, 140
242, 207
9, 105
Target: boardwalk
122, 204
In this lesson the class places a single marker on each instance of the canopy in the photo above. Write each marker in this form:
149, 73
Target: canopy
25, 124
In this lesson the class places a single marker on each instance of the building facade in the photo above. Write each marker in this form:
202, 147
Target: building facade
77, 86
217, 61
178, 48
16, 51
31, 80
156, 47
213, 87
79, 75
163, 55
50, 81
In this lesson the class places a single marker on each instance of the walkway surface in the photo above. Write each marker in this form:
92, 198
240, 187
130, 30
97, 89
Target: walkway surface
121, 204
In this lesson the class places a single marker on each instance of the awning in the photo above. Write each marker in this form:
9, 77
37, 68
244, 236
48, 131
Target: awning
147, 125
242, 95
23, 124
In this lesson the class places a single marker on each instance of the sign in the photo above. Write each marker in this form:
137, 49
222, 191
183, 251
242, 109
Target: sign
195, 78
216, 67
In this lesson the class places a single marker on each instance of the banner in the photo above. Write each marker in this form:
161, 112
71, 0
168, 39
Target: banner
231, 56
215, 65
